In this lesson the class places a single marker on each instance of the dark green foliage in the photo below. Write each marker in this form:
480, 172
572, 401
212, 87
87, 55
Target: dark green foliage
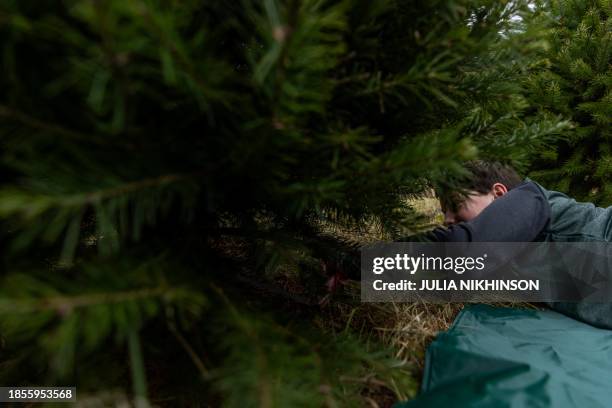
574, 79
172, 171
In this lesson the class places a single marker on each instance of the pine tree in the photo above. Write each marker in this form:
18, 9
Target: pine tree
574, 79
173, 174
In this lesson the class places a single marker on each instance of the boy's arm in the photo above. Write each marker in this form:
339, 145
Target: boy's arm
518, 216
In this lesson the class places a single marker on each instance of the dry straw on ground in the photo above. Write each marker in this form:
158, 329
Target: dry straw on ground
407, 328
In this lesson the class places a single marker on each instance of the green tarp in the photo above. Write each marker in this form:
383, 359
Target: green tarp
505, 357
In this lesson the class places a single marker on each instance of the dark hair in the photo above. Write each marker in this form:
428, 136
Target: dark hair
484, 174
481, 177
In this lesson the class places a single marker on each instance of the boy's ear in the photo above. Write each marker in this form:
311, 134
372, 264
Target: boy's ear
499, 190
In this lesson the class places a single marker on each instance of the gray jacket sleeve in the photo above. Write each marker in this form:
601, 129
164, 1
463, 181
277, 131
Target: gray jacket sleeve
518, 216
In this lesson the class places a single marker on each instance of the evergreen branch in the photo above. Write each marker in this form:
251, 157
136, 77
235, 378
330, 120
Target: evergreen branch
66, 304
34, 204
170, 44
53, 128
139, 380
95, 197
197, 361
30, 121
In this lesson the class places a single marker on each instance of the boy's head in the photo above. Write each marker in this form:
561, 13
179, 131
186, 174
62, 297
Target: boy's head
486, 182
